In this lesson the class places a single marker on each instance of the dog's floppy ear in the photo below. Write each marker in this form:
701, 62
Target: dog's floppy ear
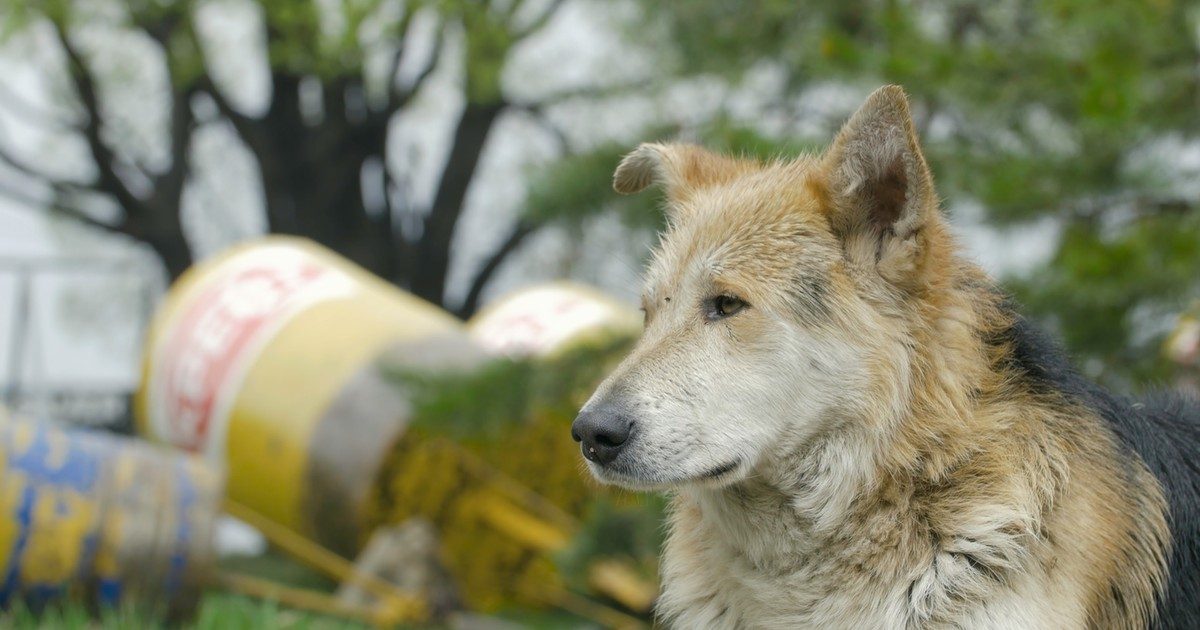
880, 190
680, 168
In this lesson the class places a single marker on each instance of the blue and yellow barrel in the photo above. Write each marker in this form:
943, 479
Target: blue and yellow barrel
102, 519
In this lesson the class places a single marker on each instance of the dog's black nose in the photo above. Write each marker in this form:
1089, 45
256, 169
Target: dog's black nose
601, 433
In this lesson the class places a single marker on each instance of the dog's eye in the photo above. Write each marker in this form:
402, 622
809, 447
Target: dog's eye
723, 306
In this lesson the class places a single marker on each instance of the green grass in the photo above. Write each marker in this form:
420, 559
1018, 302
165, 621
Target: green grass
217, 611
225, 611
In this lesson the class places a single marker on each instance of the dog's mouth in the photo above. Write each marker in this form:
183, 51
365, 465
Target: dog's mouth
640, 480
721, 471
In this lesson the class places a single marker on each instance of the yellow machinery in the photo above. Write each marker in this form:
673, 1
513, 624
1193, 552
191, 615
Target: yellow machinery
267, 358
274, 359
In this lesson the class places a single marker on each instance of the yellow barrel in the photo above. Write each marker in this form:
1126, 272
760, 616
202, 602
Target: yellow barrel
546, 319
104, 519
268, 358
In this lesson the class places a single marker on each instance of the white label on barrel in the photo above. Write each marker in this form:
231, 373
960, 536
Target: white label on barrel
204, 352
537, 321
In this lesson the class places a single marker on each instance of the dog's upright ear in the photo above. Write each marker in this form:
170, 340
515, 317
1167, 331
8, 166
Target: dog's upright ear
679, 168
879, 189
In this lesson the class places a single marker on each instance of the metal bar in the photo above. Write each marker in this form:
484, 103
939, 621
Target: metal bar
17, 334
307, 599
78, 264
328, 562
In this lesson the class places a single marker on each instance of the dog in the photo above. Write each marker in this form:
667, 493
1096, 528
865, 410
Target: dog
858, 428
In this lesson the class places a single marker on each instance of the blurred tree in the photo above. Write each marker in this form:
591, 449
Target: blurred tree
1078, 115
320, 145
1084, 112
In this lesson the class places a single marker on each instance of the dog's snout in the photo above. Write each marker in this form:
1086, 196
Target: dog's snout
602, 433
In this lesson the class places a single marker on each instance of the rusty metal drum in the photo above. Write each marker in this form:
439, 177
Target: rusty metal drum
102, 519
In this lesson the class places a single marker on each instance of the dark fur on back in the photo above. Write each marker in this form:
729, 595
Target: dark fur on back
1163, 429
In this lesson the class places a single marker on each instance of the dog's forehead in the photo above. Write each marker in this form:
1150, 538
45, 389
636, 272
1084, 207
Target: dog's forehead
752, 231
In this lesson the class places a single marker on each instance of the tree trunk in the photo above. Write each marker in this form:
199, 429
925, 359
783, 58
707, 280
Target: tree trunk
429, 268
174, 251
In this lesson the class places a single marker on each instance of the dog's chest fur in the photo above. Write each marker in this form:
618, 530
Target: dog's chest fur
739, 560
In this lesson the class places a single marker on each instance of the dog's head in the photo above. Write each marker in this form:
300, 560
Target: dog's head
774, 304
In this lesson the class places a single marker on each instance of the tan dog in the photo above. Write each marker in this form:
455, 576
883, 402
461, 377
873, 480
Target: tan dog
857, 429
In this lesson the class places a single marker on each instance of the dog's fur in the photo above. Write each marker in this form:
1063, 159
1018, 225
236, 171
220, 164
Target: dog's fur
876, 439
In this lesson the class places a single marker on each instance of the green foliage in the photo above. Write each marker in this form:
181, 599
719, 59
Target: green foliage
515, 416
575, 188
481, 405
221, 611
217, 611
1090, 290
726, 135
572, 189
632, 531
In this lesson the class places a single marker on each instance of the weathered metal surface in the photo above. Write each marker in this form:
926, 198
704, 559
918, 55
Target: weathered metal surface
104, 519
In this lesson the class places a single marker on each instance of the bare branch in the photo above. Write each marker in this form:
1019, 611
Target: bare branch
590, 92
250, 130
169, 183
103, 155
401, 50
399, 96
433, 251
20, 166
514, 7
204, 84
538, 113
31, 113
388, 224
226, 109
435, 55
53, 207
541, 20
519, 233
161, 29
